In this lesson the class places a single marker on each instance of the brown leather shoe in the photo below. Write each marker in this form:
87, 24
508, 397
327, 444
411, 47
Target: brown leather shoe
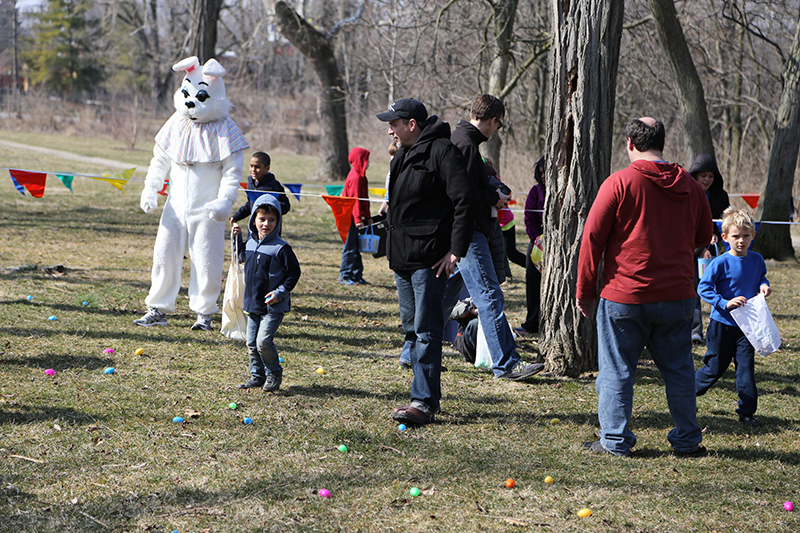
411, 415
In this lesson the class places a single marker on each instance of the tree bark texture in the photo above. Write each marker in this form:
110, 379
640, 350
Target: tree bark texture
583, 70
203, 38
503, 14
691, 96
774, 240
331, 92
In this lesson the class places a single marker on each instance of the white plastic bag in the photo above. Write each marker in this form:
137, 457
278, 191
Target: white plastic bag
234, 322
483, 359
756, 323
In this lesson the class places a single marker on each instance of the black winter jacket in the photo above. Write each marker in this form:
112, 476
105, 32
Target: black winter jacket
269, 183
432, 201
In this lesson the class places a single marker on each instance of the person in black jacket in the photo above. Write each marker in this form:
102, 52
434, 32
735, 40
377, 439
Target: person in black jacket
704, 169
432, 207
261, 179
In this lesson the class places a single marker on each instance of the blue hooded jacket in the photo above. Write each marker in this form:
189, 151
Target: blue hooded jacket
269, 266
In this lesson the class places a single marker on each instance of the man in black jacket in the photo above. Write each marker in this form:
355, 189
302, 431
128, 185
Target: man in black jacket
432, 207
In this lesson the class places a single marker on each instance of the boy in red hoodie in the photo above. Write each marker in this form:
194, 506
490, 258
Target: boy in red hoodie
356, 186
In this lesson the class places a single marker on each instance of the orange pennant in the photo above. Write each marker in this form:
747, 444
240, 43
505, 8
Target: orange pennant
342, 212
751, 199
33, 181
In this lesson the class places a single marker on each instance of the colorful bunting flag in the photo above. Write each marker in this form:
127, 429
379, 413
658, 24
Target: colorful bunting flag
66, 179
334, 190
118, 179
253, 194
294, 188
33, 181
751, 199
378, 191
163, 191
17, 186
342, 213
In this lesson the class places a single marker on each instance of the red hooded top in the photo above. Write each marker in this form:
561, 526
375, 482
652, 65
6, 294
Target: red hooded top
356, 184
645, 223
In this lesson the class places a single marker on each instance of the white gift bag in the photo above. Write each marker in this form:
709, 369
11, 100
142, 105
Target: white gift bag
483, 359
234, 322
756, 323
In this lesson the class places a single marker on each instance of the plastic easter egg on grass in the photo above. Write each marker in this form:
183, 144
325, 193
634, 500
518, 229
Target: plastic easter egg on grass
280, 359
232, 405
178, 420
324, 493
414, 491
50, 372
789, 506
85, 304
554, 421
247, 421
108, 350
401, 427
343, 448
52, 318
585, 513
320, 370
109, 370
139, 351
29, 297
510, 483
549, 480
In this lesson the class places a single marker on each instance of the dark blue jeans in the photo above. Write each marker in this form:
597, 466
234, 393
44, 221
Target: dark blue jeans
420, 294
352, 269
261, 349
623, 330
725, 344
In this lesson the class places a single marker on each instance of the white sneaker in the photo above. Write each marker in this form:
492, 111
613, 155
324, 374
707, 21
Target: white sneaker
153, 317
203, 322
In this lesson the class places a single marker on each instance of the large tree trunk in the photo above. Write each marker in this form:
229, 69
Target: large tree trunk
774, 240
317, 48
691, 97
203, 25
504, 13
583, 72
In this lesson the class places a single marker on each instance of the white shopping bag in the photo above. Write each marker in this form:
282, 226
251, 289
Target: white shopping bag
234, 323
483, 359
756, 323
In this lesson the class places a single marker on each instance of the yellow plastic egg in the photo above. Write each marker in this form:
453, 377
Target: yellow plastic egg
139, 351
554, 420
549, 479
585, 513
320, 370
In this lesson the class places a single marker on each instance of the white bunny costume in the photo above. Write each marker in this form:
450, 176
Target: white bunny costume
200, 149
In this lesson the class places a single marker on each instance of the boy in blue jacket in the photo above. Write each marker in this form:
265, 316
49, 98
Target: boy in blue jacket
728, 282
271, 271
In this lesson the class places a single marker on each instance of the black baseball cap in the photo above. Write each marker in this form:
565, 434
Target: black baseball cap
405, 108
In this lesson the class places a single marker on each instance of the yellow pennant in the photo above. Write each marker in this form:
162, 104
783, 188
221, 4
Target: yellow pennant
118, 179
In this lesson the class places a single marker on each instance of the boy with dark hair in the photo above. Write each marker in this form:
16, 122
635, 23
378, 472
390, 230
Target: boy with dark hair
261, 179
729, 281
271, 272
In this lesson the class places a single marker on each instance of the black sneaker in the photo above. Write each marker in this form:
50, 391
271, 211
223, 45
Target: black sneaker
272, 383
252, 383
700, 451
522, 371
749, 421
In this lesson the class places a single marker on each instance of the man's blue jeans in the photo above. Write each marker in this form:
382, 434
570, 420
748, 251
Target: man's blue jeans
260, 346
352, 268
420, 293
725, 344
477, 270
623, 331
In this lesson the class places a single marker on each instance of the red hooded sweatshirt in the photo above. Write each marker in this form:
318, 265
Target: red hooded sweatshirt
645, 223
356, 184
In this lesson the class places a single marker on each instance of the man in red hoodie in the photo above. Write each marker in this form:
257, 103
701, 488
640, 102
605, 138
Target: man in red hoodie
645, 223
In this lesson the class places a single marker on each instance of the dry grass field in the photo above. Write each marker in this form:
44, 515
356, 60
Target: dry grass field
87, 451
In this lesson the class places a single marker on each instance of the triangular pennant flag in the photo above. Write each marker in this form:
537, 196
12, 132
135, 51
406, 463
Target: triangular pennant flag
17, 186
253, 195
33, 181
294, 188
378, 192
342, 213
334, 190
66, 179
118, 179
751, 199
243, 184
163, 191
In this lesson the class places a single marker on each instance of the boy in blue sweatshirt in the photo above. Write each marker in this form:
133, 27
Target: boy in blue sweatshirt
271, 271
727, 283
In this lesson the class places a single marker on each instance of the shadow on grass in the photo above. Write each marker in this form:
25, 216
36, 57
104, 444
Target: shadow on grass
26, 414
144, 335
59, 361
328, 391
